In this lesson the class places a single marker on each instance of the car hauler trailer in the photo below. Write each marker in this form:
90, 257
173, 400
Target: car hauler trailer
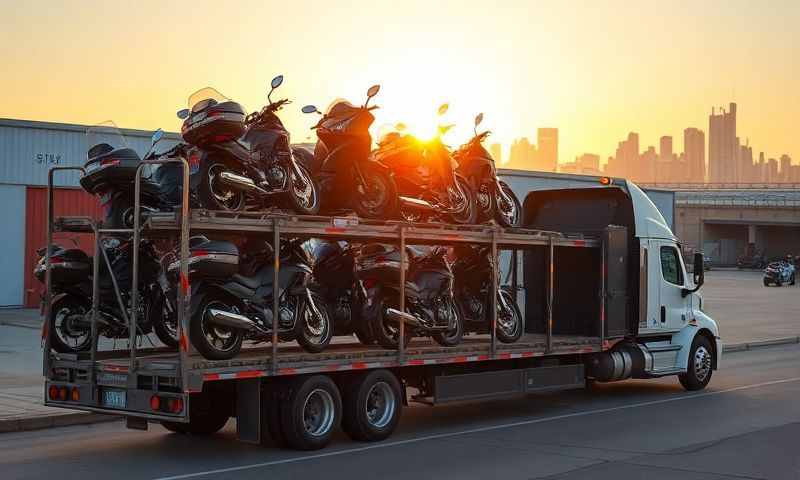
606, 298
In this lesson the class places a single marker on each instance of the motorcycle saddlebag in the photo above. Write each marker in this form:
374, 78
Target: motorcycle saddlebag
217, 123
66, 267
109, 167
211, 258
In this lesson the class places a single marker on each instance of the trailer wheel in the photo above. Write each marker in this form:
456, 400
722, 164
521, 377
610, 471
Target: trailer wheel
200, 422
766, 282
311, 413
699, 370
372, 406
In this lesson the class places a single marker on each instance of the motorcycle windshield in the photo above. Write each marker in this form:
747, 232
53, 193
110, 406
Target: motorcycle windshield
204, 98
103, 138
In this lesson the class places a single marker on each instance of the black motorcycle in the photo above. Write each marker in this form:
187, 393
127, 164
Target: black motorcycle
348, 176
335, 281
110, 173
430, 307
427, 182
245, 160
473, 272
229, 305
71, 301
494, 197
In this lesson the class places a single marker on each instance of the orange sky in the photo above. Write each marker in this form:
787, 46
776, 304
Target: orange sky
595, 70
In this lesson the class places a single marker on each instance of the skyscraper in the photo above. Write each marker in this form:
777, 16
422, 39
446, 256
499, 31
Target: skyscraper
496, 150
547, 139
694, 148
522, 155
626, 158
723, 147
786, 167
665, 148
746, 168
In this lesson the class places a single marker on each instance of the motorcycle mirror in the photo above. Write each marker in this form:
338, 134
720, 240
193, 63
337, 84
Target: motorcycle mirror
157, 136
478, 120
183, 114
443, 108
373, 90
309, 109
400, 126
276, 82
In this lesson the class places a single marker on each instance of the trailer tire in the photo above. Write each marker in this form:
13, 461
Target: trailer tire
206, 423
699, 368
766, 282
379, 392
311, 413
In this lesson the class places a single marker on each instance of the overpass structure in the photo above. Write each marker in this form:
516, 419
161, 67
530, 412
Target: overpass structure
723, 222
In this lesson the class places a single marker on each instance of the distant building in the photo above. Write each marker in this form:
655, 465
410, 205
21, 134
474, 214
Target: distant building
786, 165
723, 146
649, 167
496, 150
547, 158
772, 171
522, 155
747, 171
626, 158
665, 148
586, 164
694, 150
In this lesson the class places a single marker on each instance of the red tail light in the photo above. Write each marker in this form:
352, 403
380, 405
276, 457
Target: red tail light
52, 392
55, 260
75, 394
62, 393
175, 405
199, 253
155, 403
109, 161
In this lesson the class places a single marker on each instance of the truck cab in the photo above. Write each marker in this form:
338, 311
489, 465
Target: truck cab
652, 307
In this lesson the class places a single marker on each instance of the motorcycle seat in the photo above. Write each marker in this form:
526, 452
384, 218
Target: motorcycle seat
250, 282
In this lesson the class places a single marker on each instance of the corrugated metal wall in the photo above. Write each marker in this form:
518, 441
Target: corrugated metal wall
29, 149
12, 213
67, 201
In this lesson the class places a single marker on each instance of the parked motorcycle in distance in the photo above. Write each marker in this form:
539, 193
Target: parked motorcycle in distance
228, 307
427, 182
494, 198
472, 270
348, 176
430, 307
245, 158
780, 272
71, 308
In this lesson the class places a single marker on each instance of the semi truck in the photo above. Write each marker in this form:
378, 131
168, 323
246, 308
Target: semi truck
598, 271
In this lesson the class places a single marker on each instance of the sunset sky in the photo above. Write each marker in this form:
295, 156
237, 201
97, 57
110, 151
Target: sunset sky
594, 69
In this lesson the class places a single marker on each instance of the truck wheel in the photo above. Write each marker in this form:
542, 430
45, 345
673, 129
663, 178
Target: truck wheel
698, 371
778, 283
372, 406
766, 282
311, 413
792, 280
205, 417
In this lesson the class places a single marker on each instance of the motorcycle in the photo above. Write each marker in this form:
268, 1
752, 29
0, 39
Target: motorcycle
473, 272
334, 279
494, 197
71, 307
778, 273
430, 306
245, 159
110, 174
426, 178
348, 176
228, 307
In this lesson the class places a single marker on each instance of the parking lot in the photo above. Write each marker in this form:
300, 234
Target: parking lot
748, 311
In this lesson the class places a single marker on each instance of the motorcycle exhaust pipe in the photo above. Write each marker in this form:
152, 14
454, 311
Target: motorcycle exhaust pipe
240, 182
236, 321
394, 315
416, 203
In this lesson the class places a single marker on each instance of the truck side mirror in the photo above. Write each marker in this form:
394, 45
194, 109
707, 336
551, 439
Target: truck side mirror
698, 274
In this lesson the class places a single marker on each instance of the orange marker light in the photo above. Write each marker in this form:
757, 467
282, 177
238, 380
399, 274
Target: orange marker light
605, 180
52, 392
75, 394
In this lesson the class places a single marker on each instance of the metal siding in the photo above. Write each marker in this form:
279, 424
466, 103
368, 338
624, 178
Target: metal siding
12, 212
67, 201
23, 146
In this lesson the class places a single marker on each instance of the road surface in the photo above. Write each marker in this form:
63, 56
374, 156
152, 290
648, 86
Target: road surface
745, 425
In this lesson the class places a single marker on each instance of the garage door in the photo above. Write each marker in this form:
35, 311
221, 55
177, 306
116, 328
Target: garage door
12, 255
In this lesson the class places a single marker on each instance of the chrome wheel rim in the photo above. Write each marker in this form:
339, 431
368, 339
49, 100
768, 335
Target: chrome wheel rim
380, 405
72, 337
222, 339
702, 363
303, 189
372, 195
507, 318
318, 412
316, 327
507, 208
229, 198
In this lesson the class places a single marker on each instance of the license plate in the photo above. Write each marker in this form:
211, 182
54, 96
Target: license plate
114, 398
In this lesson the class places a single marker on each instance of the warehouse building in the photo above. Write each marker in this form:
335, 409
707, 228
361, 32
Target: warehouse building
27, 151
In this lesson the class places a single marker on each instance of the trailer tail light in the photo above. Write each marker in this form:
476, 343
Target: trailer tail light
62, 394
175, 405
155, 403
605, 180
52, 392
75, 394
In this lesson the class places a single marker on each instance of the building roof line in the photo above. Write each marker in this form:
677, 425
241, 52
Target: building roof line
72, 127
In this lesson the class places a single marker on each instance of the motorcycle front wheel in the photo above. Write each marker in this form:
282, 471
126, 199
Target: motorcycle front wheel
303, 191
163, 319
376, 197
468, 214
509, 319
508, 210
313, 328
452, 337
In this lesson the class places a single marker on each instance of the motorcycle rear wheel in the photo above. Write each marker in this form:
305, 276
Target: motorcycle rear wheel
386, 333
213, 342
469, 214
378, 198
213, 195
61, 333
453, 337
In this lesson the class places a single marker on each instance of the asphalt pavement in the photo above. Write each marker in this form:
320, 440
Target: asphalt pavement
744, 425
